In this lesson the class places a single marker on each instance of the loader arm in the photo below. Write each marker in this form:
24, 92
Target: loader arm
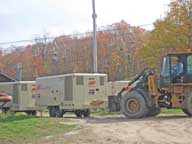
139, 83
145, 78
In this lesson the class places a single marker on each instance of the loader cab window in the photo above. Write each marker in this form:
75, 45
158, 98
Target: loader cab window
173, 72
189, 64
165, 80
188, 74
165, 72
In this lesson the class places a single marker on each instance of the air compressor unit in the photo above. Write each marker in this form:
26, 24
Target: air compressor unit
75, 92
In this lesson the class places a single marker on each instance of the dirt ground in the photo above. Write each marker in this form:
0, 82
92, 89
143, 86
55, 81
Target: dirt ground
164, 129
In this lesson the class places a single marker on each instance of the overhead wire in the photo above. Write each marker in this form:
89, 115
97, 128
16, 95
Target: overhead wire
71, 35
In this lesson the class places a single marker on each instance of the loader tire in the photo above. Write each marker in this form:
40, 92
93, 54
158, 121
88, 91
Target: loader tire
188, 105
133, 105
154, 112
186, 112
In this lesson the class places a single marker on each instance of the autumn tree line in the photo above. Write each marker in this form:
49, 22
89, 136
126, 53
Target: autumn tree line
123, 50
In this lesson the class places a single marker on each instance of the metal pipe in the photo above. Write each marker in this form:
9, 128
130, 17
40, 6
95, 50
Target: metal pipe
19, 75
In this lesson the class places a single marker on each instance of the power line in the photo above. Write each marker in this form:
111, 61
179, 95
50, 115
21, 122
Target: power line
72, 35
23, 41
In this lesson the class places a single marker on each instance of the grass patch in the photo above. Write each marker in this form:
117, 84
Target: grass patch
171, 111
23, 128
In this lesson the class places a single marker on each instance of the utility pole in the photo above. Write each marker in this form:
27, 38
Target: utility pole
94, 48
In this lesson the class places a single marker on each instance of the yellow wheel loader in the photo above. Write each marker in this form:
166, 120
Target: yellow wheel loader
147, 93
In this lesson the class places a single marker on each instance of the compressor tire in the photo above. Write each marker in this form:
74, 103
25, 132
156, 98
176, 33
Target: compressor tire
59, 112
86, 113
78, 113
33, 113
6, 110
133, 105
52, 111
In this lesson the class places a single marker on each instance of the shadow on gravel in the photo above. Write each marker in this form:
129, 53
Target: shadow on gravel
100, 120
97, 119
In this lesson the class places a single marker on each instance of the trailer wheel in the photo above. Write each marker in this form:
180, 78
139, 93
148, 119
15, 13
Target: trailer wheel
188, 105
154, 112
86, 113
133, 105
33, 113
52, 111
59, 112
5, 110
79, 114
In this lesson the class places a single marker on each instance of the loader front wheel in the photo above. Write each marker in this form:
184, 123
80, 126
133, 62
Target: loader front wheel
188, 105
133, 105
154, 112
186, 112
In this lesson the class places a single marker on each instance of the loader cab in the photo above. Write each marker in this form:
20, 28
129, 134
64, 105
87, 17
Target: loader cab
169, 67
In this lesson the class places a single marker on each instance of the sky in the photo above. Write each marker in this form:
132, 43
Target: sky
28, 19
